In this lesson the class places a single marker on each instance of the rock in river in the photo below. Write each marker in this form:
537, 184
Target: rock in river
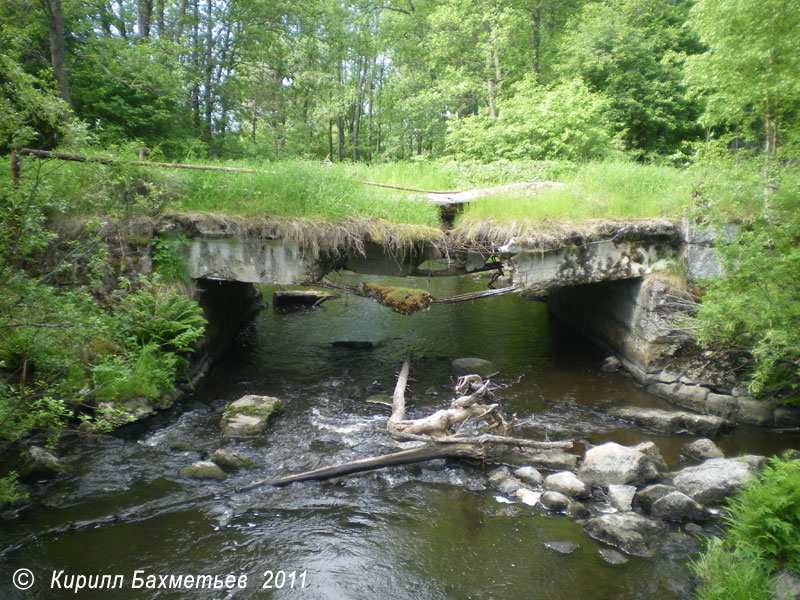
715, 479
39, 463
554, 500
611, 463
248, 416
204, 469
567, 483
231, 460
701, 449
674, 421
630, 532
468, 366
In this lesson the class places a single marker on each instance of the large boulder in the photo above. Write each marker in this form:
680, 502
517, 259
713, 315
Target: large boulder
567, 483
701, 449
248, 416
612, 463
630, 532
677, 506
715, 479
674, 421
469, 366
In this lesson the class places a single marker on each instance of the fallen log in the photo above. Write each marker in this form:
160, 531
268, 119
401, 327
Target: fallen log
404, 457
480, 440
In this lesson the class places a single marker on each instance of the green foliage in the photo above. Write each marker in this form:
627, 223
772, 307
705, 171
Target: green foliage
749, 77
132, 92
765, 515
158, 315
169, 258
763, 536
731, 574
10, 490
564, 122
756, 307
633, 53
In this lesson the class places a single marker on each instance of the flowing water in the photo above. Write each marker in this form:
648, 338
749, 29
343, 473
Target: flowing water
429, 531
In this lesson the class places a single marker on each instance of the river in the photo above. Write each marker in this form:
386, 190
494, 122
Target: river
429, 531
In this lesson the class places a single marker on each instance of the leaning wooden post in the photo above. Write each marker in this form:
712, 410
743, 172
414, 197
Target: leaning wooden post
14, 169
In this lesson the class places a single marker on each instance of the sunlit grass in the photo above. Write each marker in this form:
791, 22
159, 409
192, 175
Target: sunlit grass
595, 190
301, 189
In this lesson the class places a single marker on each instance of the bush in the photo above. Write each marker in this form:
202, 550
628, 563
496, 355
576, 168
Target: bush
763, 536
756, 307
561, 122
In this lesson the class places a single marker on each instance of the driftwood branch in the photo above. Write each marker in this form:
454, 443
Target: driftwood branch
399, 395
471, 393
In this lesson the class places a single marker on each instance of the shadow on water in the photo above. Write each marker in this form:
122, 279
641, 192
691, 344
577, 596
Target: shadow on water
432, 531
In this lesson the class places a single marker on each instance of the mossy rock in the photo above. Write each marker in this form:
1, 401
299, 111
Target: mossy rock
38, 463
472, 366
204, 469
401, 300
248, 416
231, 460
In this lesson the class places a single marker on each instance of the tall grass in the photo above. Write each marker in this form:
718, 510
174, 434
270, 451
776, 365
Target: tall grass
595, 190
296, 189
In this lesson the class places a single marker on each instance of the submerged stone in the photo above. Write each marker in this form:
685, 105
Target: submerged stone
248, 416
562, 547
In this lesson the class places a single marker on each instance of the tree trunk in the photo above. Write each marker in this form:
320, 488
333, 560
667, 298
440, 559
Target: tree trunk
145, 17
330, 140
340, 137
55, 25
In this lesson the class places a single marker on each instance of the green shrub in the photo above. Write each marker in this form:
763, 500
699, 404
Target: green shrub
757, 305
565, 121
10, 490
763, 536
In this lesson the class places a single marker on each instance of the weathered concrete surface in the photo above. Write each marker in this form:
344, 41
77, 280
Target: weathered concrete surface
625, 318
537, 272
250, 260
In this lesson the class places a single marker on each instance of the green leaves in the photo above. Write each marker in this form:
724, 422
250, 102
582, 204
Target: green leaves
564, 121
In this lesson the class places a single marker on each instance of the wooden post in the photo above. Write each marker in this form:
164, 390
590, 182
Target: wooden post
14, 169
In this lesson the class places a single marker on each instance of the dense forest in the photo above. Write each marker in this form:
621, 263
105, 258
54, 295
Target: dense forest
394, 79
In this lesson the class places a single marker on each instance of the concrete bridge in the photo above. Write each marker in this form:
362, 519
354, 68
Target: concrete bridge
227, 250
